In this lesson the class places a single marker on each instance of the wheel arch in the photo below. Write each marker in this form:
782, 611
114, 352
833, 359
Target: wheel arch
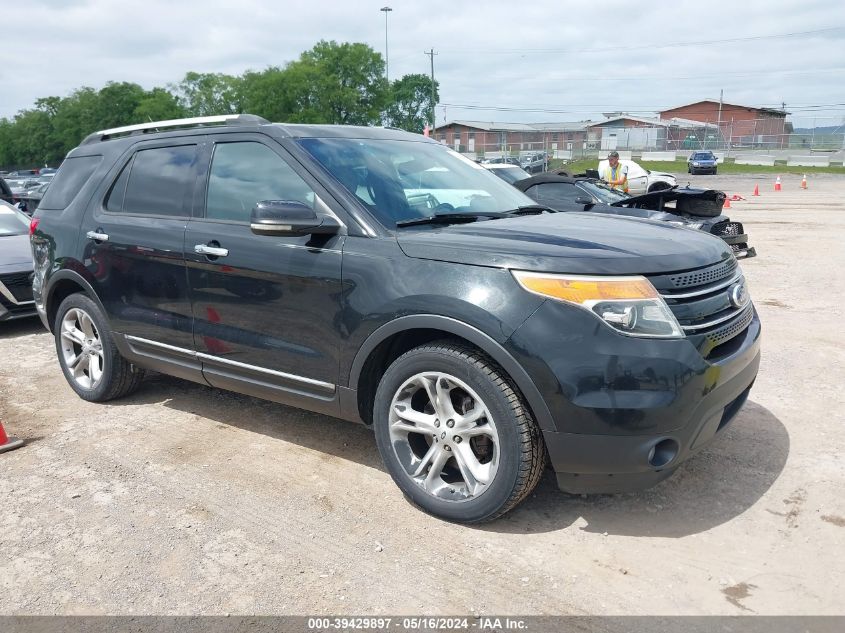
659, 186
393, 339
63, 284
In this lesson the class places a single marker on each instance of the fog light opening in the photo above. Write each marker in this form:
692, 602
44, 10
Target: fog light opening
662, 453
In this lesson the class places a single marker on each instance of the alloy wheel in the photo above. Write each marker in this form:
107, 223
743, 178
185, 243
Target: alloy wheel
82, 348
444, 436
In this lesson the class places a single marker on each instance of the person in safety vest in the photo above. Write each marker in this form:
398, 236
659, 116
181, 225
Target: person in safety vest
615, 175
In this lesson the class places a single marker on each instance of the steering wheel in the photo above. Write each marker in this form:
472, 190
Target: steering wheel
444, 206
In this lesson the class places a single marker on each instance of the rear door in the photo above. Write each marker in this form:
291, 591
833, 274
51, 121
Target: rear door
134, 249
267, 309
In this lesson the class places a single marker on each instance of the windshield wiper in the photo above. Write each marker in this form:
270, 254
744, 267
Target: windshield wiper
530, 209
450, 218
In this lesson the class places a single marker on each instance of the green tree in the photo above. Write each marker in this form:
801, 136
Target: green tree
208, 94
337, 83
116, 104
158, 105
268, 94
410, 102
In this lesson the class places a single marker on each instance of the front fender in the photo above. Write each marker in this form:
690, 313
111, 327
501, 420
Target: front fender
475, 336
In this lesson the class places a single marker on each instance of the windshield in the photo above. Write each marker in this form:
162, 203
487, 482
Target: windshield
703, 156
605, 194
12, 222
402, 180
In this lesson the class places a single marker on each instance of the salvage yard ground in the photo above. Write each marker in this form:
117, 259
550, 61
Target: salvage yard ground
185, 500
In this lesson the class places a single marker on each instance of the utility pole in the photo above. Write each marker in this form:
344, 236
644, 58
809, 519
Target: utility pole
386, 10
431, 54
719, 122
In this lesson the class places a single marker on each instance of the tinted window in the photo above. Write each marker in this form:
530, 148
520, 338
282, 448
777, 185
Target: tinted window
159, 180
243, 174
556, 194
69, 180
114, 202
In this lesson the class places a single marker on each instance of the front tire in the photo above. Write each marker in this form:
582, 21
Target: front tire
455, 435
93, 367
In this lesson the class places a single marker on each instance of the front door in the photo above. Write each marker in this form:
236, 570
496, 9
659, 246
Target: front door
266, 309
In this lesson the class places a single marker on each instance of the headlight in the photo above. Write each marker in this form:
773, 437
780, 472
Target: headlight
630, 305
695, 163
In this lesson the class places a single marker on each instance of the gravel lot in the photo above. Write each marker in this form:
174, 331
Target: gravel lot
184, 500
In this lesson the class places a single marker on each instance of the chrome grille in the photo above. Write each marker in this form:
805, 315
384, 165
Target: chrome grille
704, 275
737, 326
701, 302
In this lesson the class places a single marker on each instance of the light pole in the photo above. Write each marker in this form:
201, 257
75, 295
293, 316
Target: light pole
386, 10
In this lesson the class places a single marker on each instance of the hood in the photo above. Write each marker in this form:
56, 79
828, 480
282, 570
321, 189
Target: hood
577, 243
15, 253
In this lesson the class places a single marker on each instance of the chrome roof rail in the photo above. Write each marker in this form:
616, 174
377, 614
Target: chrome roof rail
155, 126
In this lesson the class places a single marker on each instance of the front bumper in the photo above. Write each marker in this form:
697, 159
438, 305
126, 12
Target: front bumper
628, 411
15, 302
702, 169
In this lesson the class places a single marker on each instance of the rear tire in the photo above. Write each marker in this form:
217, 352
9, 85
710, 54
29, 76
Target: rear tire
93, 367
455, 435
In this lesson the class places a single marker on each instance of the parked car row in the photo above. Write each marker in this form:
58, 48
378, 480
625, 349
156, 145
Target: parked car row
26, 193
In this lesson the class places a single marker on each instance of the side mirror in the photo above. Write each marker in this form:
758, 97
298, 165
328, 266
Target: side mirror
287, 217
584, 200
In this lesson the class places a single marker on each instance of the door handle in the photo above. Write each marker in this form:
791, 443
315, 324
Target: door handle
211, 251
97, 237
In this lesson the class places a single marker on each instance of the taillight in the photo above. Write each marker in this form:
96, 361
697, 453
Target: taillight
33, 225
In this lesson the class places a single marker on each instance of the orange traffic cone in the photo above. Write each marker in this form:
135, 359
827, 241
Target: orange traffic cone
804, 182
777, 184
727, 204
8, 443
756, 190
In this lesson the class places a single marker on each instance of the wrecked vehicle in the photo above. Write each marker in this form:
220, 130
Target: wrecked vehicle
699, 209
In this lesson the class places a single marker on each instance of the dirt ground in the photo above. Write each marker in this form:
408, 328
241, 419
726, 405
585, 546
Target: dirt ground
186, 500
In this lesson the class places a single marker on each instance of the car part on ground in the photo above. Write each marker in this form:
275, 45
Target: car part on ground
380, 277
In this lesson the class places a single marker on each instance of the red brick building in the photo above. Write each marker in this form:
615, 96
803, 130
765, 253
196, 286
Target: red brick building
479, 137
743, 125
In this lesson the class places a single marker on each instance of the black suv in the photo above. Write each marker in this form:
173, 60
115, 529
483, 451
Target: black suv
380, 277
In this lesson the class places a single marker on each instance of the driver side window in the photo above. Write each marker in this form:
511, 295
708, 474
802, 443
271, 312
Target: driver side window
244, 173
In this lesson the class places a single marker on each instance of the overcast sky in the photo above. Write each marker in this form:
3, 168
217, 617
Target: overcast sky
569, 60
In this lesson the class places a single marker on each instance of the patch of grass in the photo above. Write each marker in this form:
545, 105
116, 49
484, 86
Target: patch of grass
680, 167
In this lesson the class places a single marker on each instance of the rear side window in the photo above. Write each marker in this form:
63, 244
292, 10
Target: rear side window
69, 180
156, 182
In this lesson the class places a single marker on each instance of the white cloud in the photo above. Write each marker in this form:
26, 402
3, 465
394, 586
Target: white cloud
497, 53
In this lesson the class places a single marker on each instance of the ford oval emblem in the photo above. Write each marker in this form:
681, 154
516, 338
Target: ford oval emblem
738, 295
